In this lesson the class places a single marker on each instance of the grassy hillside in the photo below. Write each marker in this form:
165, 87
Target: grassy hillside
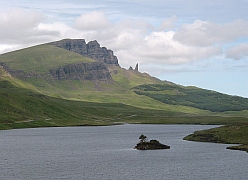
230, 134
162, 95
22, 108
41, 58
129, 78
193, 97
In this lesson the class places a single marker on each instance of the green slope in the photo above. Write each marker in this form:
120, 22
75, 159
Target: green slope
22, 108
230, 134
193, 97
129, 78
44, 57
41, 58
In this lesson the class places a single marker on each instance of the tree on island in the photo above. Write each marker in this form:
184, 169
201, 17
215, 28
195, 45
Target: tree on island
144, 144
143, 138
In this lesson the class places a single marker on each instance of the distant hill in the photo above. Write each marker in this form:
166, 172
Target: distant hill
58, 69
72, 79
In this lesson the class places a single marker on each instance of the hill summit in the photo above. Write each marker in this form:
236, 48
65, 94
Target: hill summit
76, 70
91, 50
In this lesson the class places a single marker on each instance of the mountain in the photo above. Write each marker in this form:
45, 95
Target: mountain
59, 72
84, 82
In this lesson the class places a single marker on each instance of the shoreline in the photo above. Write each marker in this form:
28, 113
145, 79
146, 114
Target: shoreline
228, 134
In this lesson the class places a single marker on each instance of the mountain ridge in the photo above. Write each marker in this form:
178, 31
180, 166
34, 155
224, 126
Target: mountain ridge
63, 69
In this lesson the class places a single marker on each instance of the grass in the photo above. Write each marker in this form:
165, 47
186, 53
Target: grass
41, 58
129, 78
22, 108
230, 134
193, 97
108, 93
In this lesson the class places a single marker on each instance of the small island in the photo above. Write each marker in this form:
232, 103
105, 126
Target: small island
144, 144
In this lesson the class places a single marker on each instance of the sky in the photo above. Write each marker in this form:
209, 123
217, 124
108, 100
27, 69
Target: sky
192, 43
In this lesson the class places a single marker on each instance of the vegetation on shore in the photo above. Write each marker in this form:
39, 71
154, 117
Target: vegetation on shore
229, 134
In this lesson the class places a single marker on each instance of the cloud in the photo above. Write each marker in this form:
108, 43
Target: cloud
20, 28
238, 52
168, 23
92, 21
18, 23
160, 48
203, 33
131, 40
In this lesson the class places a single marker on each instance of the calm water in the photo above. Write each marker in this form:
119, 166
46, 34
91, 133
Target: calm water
107, 153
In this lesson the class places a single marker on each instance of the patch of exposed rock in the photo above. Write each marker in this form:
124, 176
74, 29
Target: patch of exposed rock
96, 71
135, 69
151, 145
82, 71
144, 144
91, 49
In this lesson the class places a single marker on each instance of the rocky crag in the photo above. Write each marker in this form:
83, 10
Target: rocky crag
82, 71
135, 69
96, 71
91, 49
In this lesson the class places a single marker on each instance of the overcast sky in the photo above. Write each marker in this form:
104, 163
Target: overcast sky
194, 42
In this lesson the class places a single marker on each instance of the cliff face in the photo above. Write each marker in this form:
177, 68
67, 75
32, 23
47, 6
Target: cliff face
82, 71
96, 71
92, 50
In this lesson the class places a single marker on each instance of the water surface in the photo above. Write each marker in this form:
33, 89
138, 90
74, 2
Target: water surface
107, 153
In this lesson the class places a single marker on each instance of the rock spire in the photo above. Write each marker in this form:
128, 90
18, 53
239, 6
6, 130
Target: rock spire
136, 67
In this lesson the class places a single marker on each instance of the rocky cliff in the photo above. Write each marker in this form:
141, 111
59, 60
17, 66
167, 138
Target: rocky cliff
82, 71
96, 71
91, 49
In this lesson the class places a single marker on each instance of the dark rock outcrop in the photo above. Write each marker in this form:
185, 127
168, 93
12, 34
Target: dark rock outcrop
82, 71
92, 50
144, 144
151, 145
96, 71
137, 67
